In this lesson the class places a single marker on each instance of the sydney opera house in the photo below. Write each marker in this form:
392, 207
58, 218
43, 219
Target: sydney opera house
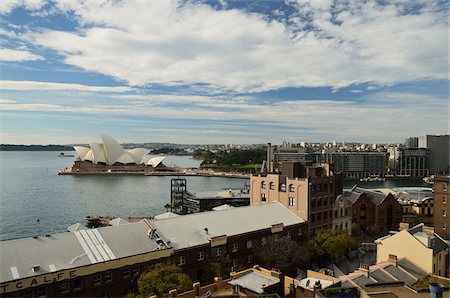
111, 156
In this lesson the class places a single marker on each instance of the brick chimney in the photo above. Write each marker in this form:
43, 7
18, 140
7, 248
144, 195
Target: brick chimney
364, 268
403, 226
428, 230
393, 260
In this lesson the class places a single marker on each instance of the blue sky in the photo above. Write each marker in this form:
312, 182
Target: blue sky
222, 71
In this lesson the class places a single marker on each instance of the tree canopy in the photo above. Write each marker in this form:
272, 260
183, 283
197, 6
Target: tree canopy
283, 253
233, 157
328, 245
161, 279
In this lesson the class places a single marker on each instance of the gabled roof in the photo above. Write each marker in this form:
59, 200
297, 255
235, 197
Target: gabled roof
198, 228
355, 193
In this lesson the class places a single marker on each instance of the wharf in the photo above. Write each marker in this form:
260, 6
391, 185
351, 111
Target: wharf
177, 172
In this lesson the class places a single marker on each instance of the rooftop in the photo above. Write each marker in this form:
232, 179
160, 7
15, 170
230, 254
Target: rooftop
254, 281
197, 229
72, 249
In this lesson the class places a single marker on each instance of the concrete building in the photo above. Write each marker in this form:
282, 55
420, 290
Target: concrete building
419, 243
373, 211
416, 209
439, 152
409, 162
441, 216
342, 215
309, 190
357, 165
412, 142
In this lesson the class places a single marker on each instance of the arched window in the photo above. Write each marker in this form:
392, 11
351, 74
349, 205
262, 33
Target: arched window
283, 187
291, 188
272, 185
263, 185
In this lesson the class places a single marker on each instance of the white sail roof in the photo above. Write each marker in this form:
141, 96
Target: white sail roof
111, 152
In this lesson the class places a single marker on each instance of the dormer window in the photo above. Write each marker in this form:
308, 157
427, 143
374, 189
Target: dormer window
263, 185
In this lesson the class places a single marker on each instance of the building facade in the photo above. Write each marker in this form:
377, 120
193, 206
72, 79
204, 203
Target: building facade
439, 152
409, 162
342, 215
373, 211
357, 165
308, 190
419, 243
441, 216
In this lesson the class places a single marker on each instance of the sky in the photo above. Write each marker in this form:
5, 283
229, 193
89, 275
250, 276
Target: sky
234, 72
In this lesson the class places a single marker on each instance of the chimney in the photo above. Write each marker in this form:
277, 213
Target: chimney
435, 290
317, 285
428, 230
364, 268
403, 226
393, 259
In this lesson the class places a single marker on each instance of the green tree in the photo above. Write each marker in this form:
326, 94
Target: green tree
282, 253
328, 245
162, 278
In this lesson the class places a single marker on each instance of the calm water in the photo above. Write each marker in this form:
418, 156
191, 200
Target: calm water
31, 189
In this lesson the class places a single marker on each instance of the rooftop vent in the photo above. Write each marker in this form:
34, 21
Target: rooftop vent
36, 268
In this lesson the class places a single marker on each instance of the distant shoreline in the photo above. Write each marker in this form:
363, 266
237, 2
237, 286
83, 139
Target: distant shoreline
7, 147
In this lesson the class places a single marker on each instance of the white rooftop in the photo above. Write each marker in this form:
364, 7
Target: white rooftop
254, 282
189, 230
72, 249
309, 282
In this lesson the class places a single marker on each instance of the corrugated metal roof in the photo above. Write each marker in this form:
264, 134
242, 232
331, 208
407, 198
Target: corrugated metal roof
254, 282
72, 249
189, 230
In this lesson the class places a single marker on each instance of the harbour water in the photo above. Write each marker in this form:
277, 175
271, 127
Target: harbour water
32, 190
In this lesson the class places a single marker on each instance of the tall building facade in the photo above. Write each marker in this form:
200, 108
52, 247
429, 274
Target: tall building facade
439, 152
441, 216
412, 142
309, 190
409, 162
356, 165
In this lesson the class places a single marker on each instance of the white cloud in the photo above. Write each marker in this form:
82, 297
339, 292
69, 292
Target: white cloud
7, 6
46, 86
8, 55
165, 43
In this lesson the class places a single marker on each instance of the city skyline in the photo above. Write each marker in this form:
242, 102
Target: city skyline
208, 72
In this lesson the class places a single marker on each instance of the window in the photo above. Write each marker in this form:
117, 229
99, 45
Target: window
107, 277
42, 291
263, 197
444, 187
249, 244
181, 260
444, 212
325, 214
64, 287
249, 259
313, 203
28, 293
97, 279
313, 217
218, 251
235, 263
291, 188
319, 202
319, 216
277, 236
200, 256
234, 248
283, 187
444, 225
291, 201
263, 241
272, 185
126, 272
263, 185
288, 234
444, 199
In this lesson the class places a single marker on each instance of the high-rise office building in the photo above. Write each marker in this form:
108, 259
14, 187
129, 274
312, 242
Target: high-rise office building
439, 152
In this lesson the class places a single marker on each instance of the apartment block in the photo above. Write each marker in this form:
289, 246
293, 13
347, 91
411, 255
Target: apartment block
441, 216
309, 190
439, 152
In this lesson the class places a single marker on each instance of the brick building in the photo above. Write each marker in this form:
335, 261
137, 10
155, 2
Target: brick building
107, 261
309, 190
441, 212
373, 211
